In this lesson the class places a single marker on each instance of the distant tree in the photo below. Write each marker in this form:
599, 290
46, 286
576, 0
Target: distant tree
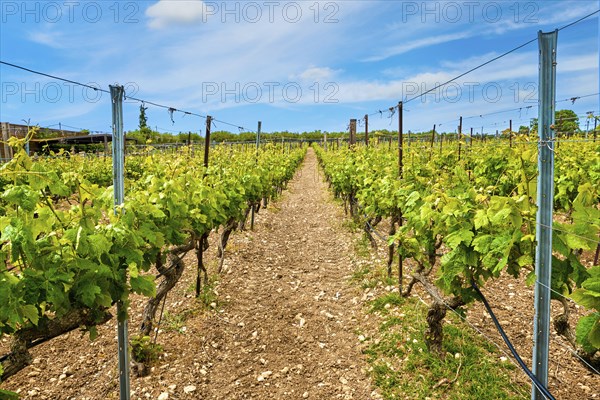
144, 130
566, 122
523, 130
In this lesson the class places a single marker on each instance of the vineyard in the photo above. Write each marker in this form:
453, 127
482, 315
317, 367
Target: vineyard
426, 264
455, 226
67, 258
460, 220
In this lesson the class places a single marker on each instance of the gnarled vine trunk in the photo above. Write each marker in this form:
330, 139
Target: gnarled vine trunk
24, 339
434, 335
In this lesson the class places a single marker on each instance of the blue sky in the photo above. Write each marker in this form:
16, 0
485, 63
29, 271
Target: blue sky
297, 66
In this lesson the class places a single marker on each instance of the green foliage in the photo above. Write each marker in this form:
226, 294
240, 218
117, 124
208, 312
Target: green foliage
588, 295
63, 246
6, 395
475, 215
566, 122
144, 351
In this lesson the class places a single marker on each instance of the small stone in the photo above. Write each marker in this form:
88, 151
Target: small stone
343, 380
203, 372
305, 395
163, 396
189, 389
362, 338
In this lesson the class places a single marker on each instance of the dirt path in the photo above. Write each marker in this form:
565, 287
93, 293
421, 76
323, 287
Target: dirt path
290, 330
283, 324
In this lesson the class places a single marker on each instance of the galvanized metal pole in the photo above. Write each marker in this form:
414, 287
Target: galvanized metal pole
401, 174
118, 147
545, 201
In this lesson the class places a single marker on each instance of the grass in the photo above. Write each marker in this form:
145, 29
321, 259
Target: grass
362, 246
401, 365
207, 292
403, 368
174, 322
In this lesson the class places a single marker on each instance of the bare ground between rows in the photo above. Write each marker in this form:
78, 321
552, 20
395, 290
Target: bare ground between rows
282, 325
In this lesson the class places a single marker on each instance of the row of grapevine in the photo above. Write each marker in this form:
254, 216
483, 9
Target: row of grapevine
463, 219
66, 258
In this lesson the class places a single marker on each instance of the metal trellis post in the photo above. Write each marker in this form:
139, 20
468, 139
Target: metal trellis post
401, 175
545, 200
118, 147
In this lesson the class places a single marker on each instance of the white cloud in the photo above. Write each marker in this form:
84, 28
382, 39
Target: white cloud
47, 38
417, 44
317, 74
175, 12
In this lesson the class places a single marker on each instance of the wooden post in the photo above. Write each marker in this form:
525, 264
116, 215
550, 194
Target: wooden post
459, 137
400, 134
8, 152
352, 132
367, 130
105, 146
200, 244
471, 137
207, 140
432, 141
257, 146
510, 133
